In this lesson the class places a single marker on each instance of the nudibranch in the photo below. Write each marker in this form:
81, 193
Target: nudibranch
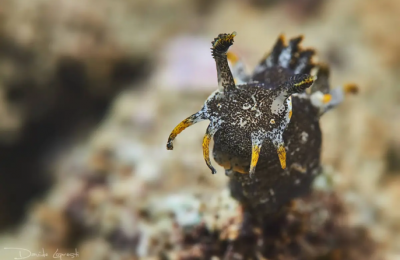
265, 125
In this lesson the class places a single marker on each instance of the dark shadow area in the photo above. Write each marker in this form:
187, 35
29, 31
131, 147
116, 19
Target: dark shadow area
65, 105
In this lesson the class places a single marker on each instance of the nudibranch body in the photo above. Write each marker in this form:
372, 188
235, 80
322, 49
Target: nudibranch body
268, 120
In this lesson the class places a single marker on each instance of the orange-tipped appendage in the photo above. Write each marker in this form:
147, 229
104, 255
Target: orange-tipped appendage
326, 98
206, 152
177, 130
282, 156
350, 88
255, 154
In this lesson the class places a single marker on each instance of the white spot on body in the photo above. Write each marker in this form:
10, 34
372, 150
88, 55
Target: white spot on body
254, 99
277, 105
304, 137
289, 104
246, 106
302, 95
315, 171
298, 167
242, 123
255, 106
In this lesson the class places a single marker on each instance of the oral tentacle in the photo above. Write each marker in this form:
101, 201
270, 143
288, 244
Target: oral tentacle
211, 129
191, 120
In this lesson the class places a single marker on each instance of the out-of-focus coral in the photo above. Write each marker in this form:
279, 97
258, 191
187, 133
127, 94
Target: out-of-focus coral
60, 66
110, 214
187, 65
296, 9
52, 55
379, 22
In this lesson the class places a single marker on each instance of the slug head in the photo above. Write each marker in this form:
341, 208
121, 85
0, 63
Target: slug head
249, 114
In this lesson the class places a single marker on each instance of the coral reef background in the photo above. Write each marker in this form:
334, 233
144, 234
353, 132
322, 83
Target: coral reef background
89, 91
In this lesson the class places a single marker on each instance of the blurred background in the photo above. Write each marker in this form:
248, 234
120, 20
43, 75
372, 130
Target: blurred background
90, 90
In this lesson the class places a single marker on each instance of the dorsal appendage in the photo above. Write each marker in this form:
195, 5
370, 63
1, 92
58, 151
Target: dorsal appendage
325, 98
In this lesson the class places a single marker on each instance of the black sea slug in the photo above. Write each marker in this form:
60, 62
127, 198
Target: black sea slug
265, 125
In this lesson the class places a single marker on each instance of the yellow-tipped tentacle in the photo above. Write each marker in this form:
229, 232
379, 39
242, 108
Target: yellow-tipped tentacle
255, 154
206, 147
282, 155
197, 117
